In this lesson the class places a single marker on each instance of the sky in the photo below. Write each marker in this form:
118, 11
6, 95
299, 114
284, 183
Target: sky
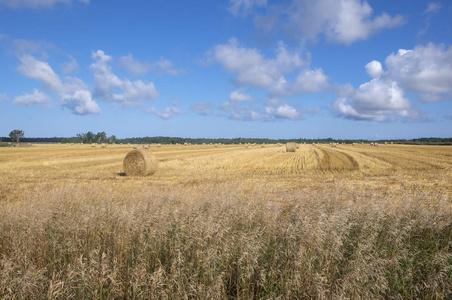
345, 69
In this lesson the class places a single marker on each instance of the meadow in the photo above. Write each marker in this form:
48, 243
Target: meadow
227, 222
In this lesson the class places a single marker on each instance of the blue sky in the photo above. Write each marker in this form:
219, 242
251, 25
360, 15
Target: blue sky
239, 68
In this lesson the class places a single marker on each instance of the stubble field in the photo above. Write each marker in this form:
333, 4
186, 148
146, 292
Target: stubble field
227, 222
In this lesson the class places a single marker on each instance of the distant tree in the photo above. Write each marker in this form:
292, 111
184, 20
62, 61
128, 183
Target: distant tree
112, 139
81, 137
16, 135
101, 136
89, 137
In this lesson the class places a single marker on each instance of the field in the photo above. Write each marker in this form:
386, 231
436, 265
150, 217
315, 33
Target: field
227, 222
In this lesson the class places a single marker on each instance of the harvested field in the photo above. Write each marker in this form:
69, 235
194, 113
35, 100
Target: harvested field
227, 221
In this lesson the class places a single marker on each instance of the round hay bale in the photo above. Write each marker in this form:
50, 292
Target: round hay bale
291, 147
140, 163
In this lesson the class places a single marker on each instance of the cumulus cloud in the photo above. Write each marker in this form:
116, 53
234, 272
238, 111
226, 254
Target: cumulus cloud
163, 66
425, 69
202, 108
36, 98
165, 113
36, 3
282, 112
69, 66
73, 92
255, 70
310, 81
244, 7
236, 111
110, 87
341, 21
432, 7
40, 70
240, 96
374, 101
374, 69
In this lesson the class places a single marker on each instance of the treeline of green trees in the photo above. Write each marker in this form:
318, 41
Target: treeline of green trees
90, 137
102, 137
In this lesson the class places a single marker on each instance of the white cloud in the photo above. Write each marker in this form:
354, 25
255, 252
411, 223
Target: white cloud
202, 108
374, 101
353, 22
37, 98
110, 87
40, 70
163, 66
165, 113
282, 112
245, 6
73, 92
134, 67
69, 66
432, 7
374, 69
310, 81
425, 69
255, 70
240, 96
36, 3
237, 111
341, 21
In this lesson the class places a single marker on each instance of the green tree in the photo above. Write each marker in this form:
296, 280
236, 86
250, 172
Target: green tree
81, 137
89, 137
112, 139
16, 135
101, 137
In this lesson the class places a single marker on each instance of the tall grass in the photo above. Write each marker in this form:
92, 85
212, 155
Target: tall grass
224, 241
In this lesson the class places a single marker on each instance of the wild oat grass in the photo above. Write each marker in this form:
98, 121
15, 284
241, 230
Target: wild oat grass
210, 226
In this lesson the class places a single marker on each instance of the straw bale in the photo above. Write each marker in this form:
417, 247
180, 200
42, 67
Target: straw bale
291, 147
140, 163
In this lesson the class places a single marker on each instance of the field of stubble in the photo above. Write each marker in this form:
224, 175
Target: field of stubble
227, 222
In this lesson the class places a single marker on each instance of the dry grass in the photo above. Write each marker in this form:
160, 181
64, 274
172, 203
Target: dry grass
227, 222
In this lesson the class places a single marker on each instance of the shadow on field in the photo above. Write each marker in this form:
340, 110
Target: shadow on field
121, 174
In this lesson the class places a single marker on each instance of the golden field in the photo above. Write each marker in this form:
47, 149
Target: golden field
227, 222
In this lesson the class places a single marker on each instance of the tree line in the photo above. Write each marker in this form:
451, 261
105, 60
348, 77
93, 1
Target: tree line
102, 137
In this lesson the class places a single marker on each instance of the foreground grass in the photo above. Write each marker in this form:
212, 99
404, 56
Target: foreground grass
225, 241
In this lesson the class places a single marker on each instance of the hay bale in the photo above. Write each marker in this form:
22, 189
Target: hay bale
140, 163
291, 147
